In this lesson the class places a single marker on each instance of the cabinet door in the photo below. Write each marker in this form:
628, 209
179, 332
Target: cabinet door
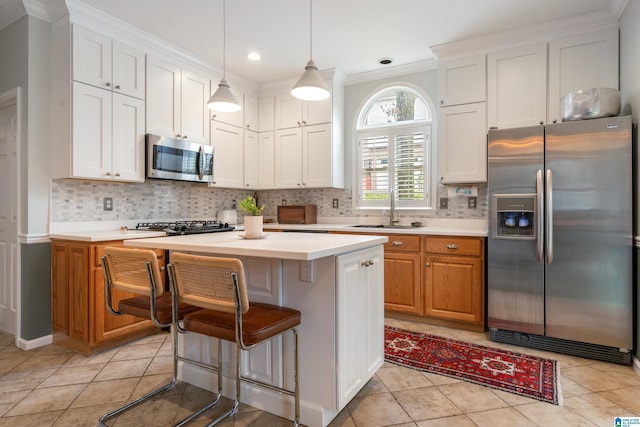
266, 168
195, 115
360, 320
463, 144
250, 111
581, 62
462, 81
316, 112
317, 156
128, 138
266, 113
91, 132
288, 153
402, 282
453, 287
517, 83
78, 303
288, 112
228, 157
163, 98
251, 159
128, 70
91, 58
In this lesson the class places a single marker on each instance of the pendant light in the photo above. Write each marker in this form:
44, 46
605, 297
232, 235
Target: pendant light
223, 100
311, 86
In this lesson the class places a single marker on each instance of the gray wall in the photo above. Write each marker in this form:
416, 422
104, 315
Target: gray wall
630, 93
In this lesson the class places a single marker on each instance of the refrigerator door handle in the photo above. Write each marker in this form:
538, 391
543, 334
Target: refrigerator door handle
539, 222
549, 216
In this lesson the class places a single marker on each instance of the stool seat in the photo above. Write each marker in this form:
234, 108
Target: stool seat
141, 306
260, 323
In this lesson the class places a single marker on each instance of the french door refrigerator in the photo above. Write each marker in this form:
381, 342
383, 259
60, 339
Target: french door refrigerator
560, 244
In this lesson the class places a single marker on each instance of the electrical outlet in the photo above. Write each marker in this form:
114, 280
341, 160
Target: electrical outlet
233, 203
284, 202
444, 203
336, 203
472, 202
306, 271
107, 203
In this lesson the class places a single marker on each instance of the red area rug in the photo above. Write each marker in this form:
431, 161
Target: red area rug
517, 373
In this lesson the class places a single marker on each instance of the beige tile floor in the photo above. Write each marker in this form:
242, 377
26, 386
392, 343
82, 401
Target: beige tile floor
53, 386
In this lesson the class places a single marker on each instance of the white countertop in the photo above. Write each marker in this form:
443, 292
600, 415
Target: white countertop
106, 235
294, 246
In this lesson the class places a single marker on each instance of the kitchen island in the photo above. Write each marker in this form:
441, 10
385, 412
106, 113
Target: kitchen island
335, 280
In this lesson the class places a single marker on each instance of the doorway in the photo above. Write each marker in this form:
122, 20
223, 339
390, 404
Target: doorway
9, 246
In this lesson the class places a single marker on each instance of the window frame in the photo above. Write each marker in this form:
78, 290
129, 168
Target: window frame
428, 126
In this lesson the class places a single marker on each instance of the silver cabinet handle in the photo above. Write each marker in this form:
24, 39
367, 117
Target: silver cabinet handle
428, 264
117, 86
178, 135
367, 263
396, 243
108, 83
117, 173
108, 173
184, 136
304, 123
299, 124
452, 246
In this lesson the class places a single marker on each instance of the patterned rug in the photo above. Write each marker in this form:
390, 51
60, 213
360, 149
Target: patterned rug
517, 373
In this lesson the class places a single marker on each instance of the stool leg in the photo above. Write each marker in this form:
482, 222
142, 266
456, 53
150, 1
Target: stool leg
234, 408
296, 384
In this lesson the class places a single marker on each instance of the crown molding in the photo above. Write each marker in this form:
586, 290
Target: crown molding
47, 10
617, 8
10, 12
399, 70
543, 31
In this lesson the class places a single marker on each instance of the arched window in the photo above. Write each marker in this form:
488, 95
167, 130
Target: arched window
394, 150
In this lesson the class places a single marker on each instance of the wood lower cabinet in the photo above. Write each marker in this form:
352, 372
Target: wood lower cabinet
81, 320
402, 274
454, 279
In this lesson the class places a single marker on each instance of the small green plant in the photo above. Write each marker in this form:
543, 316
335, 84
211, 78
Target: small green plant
248, 205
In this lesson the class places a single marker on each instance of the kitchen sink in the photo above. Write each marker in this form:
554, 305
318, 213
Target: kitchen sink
406, 227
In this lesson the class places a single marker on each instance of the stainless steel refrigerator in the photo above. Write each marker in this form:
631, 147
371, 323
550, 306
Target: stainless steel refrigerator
560, 245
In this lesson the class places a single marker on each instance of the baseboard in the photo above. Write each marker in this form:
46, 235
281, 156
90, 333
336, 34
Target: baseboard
636, 365
35, 343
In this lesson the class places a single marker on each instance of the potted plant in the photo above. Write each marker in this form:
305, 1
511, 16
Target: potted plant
253, 217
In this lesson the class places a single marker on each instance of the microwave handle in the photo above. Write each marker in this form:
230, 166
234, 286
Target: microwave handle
201, 159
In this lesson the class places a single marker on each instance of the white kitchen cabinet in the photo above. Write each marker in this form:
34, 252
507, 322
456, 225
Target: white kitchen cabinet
259, 157
360, 319
228, 161
266, 113
250, 110
107, 135
517, 87
463, 144
304, 157
108, 64
176, 102
462, 81
581, 62
292, 112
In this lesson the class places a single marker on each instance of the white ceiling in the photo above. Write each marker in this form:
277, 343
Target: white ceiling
349, 35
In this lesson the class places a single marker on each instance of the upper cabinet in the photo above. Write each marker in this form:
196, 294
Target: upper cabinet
228, 160
581, 62
517, 86
462, 81
101, 62
292, 112
266, 113
176, 102
251, 114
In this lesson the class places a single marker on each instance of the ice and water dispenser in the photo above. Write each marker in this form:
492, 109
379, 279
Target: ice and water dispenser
514, 216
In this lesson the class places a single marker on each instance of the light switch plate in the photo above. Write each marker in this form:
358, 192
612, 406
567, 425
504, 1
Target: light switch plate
444, 203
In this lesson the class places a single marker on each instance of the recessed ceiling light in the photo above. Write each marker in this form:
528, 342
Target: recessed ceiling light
385, 61
254, 56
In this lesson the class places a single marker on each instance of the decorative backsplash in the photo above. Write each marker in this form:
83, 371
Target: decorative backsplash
77, 200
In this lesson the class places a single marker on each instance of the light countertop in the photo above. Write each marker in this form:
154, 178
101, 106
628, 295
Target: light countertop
106, 235
294, 246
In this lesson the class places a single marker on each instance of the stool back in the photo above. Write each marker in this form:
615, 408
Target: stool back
209, 282
133, 270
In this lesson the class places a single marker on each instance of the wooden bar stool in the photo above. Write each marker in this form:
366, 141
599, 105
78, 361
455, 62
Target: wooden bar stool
218, 286
137, 271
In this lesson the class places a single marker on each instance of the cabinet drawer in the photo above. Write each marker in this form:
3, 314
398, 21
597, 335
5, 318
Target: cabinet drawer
401, 243
454, 245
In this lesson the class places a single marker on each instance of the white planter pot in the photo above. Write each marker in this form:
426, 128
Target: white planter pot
253, 226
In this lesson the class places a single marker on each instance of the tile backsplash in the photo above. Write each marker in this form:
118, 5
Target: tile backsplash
78, 200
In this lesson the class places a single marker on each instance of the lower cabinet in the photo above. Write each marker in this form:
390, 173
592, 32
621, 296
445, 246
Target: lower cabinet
80, 318
454, 279
402, 274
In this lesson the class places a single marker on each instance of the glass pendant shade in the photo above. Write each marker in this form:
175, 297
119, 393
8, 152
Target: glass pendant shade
310, 86
223, 100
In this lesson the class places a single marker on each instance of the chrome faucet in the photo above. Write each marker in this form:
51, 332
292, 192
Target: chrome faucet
392, 204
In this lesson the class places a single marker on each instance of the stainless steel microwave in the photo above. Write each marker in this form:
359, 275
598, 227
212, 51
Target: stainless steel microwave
177, 159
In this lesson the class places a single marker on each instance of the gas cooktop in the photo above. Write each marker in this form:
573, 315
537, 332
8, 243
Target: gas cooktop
174, 228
